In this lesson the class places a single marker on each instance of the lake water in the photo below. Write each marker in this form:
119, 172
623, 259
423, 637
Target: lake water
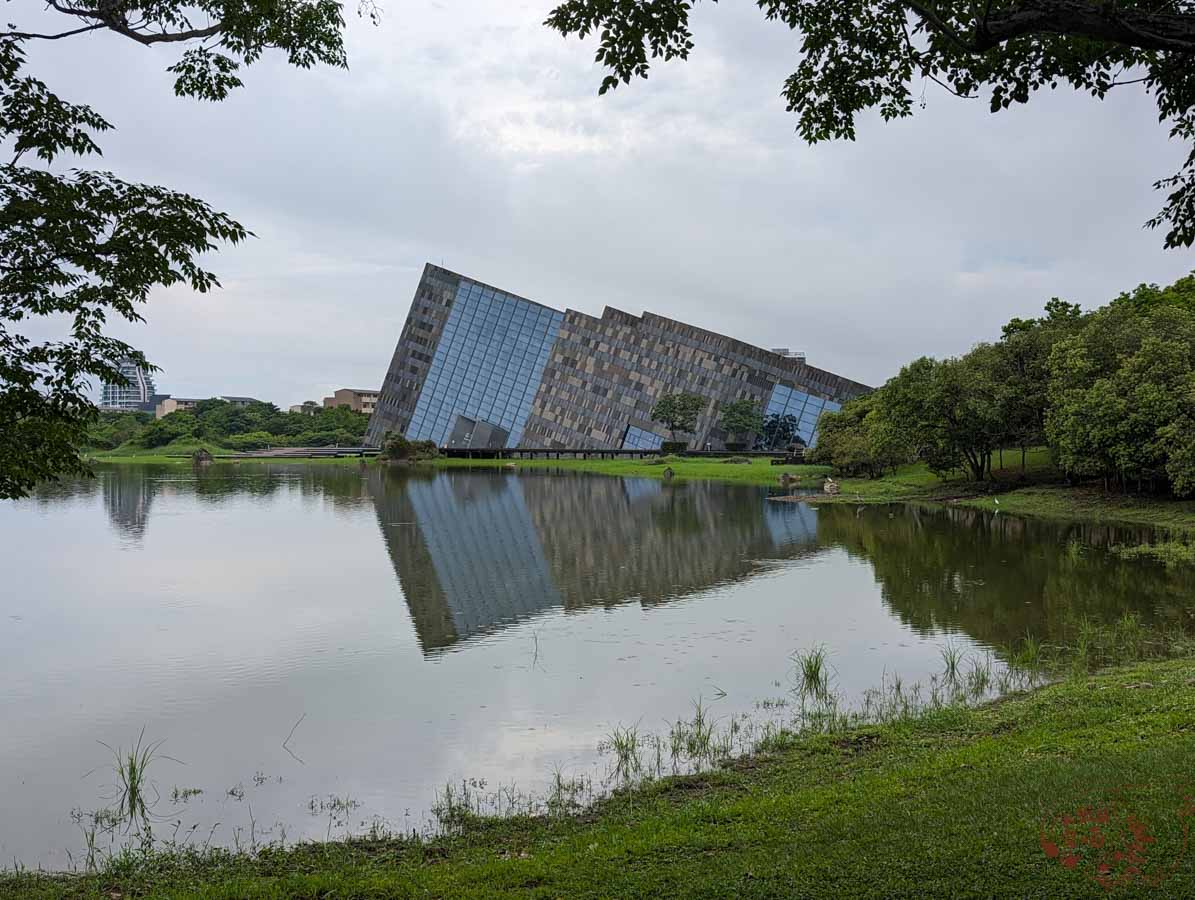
321, 647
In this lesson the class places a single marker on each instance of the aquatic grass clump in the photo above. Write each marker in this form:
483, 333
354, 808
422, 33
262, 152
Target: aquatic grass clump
93, 825
1170, 553
1028, 656
455, 807
1084, 646
626, 745
1129, 636
979, 678
699, 742
568, 796
133, 804
813, 672
952, 659
825, 716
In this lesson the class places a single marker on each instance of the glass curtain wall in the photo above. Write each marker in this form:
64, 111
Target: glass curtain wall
638, 439
488, 364
804, 410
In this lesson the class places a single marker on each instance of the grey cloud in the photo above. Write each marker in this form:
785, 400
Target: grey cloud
470, 136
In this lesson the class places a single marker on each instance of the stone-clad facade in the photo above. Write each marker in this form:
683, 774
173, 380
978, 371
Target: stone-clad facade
580, 381
605, 374
480, 551
413, 355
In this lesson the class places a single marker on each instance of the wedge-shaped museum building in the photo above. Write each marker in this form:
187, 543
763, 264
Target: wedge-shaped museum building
477, 367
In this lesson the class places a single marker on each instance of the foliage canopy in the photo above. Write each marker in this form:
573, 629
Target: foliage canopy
678, 412
233, 427
78, 246
862, 438
1111, 392
858, 55
741, 417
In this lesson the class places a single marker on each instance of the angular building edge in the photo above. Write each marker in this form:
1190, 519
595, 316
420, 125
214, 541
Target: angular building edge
478, 366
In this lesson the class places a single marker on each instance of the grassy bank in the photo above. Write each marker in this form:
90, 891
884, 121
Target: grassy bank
1091, 504
956, 802
1037, 491
757, 471
912, 482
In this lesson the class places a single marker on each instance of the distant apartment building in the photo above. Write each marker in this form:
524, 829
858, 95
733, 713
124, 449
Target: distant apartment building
137, 393
358, 401
169, 404
307, 408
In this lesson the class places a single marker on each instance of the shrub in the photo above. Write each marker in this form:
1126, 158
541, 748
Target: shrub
861, 438
425, 449
668, 447
397, 447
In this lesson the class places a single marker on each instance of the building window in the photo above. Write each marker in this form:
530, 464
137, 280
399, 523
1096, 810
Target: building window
638, 439
793, 413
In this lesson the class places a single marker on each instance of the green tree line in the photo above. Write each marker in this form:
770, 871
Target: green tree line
1111, 392
251, 427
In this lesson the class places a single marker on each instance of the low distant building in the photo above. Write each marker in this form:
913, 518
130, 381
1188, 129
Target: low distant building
174, 404
358, 401
307, 407
136, 393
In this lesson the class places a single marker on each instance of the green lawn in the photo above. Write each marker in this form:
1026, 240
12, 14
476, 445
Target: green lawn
758, 471
908, 483
1036, 492
1090, 504
962, 802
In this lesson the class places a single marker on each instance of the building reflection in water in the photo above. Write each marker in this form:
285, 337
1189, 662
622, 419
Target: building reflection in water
475, 551
480, 550
128, 500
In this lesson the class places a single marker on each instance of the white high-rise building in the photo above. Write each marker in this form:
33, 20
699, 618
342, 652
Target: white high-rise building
135, 395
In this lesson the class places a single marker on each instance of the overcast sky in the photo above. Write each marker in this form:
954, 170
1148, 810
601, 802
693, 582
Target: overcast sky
468, 135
